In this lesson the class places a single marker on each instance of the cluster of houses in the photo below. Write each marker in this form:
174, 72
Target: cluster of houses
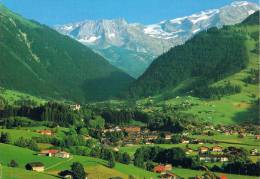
214, 154
137, 135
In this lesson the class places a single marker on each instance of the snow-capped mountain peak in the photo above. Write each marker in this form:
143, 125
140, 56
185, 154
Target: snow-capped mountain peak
132, 46
239, 3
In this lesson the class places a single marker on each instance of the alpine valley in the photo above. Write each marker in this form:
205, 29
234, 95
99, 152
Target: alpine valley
133, 46
73, 110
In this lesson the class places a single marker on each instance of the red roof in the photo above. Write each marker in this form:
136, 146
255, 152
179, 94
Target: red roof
223, 177
52, 151
159, 169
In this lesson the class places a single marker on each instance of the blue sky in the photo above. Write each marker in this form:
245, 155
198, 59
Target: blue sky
53, 12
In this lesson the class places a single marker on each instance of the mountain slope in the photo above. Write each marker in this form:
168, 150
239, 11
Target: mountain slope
37, 60
252, 20
133, 46
208, 57
226, 107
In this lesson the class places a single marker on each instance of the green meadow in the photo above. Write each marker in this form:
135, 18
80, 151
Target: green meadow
17, 173
96, 168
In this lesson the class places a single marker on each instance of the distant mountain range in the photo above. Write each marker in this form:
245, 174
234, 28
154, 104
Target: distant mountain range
133, 46
38, 60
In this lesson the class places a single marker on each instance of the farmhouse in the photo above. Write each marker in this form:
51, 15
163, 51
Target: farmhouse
49, 153
54, 153
168, 136
203, 149
151, 137
112, 129
185, 141
132, 129
162, 168
116, 149
159, 169
35, 166
217, 148
62, 154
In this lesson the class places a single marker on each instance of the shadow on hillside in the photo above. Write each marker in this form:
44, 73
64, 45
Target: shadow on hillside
106, 87
251, 115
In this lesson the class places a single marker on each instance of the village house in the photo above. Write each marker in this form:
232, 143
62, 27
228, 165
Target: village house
183, 141
112, 129
35, 166
223, 158
217, 148
203, 149
148, 143
257, 137
49, 153
168, 136
162, 168
168, 167
62, 154
130, 130
226, 132
54, 153
151, 137
45, 132
116, 149
159, 169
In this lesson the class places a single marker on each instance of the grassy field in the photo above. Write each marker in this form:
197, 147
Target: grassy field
23, 156
17, 133
17, 173
29, 132
96, 168
13, 96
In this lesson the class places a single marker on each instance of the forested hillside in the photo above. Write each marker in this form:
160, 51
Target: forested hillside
208, 57
38, 60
